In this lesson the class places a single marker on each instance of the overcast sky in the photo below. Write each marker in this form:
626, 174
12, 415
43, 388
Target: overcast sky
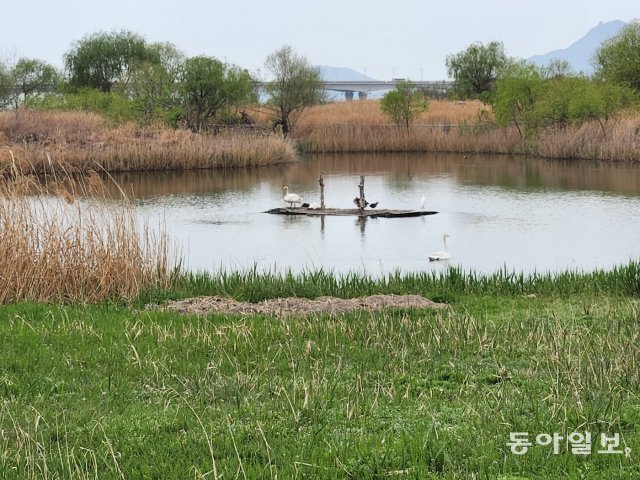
393, 38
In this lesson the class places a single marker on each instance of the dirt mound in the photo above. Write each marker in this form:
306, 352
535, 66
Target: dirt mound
298, 306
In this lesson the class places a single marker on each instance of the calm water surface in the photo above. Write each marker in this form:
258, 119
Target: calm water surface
525, 214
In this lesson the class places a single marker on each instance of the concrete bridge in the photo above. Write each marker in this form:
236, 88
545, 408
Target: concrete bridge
363, 87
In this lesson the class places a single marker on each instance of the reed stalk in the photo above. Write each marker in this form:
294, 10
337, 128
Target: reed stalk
59, 242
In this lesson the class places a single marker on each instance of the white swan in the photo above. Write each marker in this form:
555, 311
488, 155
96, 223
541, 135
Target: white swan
442, 254
291, 198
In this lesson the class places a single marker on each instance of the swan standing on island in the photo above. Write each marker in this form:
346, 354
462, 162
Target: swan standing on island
291, 198
442, 254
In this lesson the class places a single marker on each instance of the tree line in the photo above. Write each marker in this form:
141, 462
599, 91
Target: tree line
531, 97
124, 77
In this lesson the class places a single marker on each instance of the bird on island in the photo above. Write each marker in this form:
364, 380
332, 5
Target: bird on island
357, 202
374, 204
311, 206
423, 201
291, 198
441, 254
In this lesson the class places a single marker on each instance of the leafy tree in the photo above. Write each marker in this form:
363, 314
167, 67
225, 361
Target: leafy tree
208, 86
530, 99
103, 59
32, 76
517, 90
295, 86
404, 104
152, 86
557, 68
618, 59
475, 69
7, 88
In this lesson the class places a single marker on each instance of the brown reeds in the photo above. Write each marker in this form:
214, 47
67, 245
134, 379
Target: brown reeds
359, 126
59, 242
617, 139
367, 112
418, 138
79, 141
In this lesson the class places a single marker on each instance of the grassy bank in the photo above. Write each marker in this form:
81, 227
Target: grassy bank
111, 391
460, 127
78, 141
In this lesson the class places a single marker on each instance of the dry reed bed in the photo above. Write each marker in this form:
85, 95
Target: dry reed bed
419, 138
461, 127
367, 112
56, 248
79, 141
617, 139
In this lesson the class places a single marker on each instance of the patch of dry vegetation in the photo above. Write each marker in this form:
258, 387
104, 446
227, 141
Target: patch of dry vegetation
367, 112
56, 244
298, 306
617, 139
78, 142
447, 126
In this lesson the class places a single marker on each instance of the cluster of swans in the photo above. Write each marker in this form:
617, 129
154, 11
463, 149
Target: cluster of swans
293, 198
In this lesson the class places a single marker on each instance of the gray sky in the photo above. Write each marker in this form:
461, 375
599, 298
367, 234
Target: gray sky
401, 38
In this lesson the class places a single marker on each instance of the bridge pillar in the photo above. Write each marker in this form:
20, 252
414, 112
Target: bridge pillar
348, 95
362, 95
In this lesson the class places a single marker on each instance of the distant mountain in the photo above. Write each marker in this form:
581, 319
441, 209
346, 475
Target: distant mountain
341, 74
580, 53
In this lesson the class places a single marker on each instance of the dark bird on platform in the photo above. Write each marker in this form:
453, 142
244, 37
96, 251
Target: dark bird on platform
357, 202
374, 205
305, 205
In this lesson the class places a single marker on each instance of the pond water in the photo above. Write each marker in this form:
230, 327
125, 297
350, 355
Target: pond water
520, 213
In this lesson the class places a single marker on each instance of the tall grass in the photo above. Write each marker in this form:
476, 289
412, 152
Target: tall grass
57, 244
108, 392
79, 141
367, 112
253, 285
468, 127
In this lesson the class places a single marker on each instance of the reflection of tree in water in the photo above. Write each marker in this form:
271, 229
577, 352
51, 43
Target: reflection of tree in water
361, 222
395, 170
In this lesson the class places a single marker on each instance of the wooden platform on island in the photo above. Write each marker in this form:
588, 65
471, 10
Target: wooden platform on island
343, 212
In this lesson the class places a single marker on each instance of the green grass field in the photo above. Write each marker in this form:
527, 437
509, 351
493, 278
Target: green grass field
115, 391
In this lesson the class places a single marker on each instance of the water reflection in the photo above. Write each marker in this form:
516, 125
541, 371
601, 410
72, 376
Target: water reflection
399, 171
522, 213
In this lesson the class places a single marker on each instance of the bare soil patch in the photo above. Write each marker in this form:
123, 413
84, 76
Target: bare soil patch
298, 306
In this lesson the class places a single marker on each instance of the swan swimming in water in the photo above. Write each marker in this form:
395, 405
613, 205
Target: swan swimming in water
291, 198
442, 254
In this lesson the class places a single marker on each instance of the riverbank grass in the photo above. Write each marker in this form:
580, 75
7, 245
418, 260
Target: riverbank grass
80, 141
107, 391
